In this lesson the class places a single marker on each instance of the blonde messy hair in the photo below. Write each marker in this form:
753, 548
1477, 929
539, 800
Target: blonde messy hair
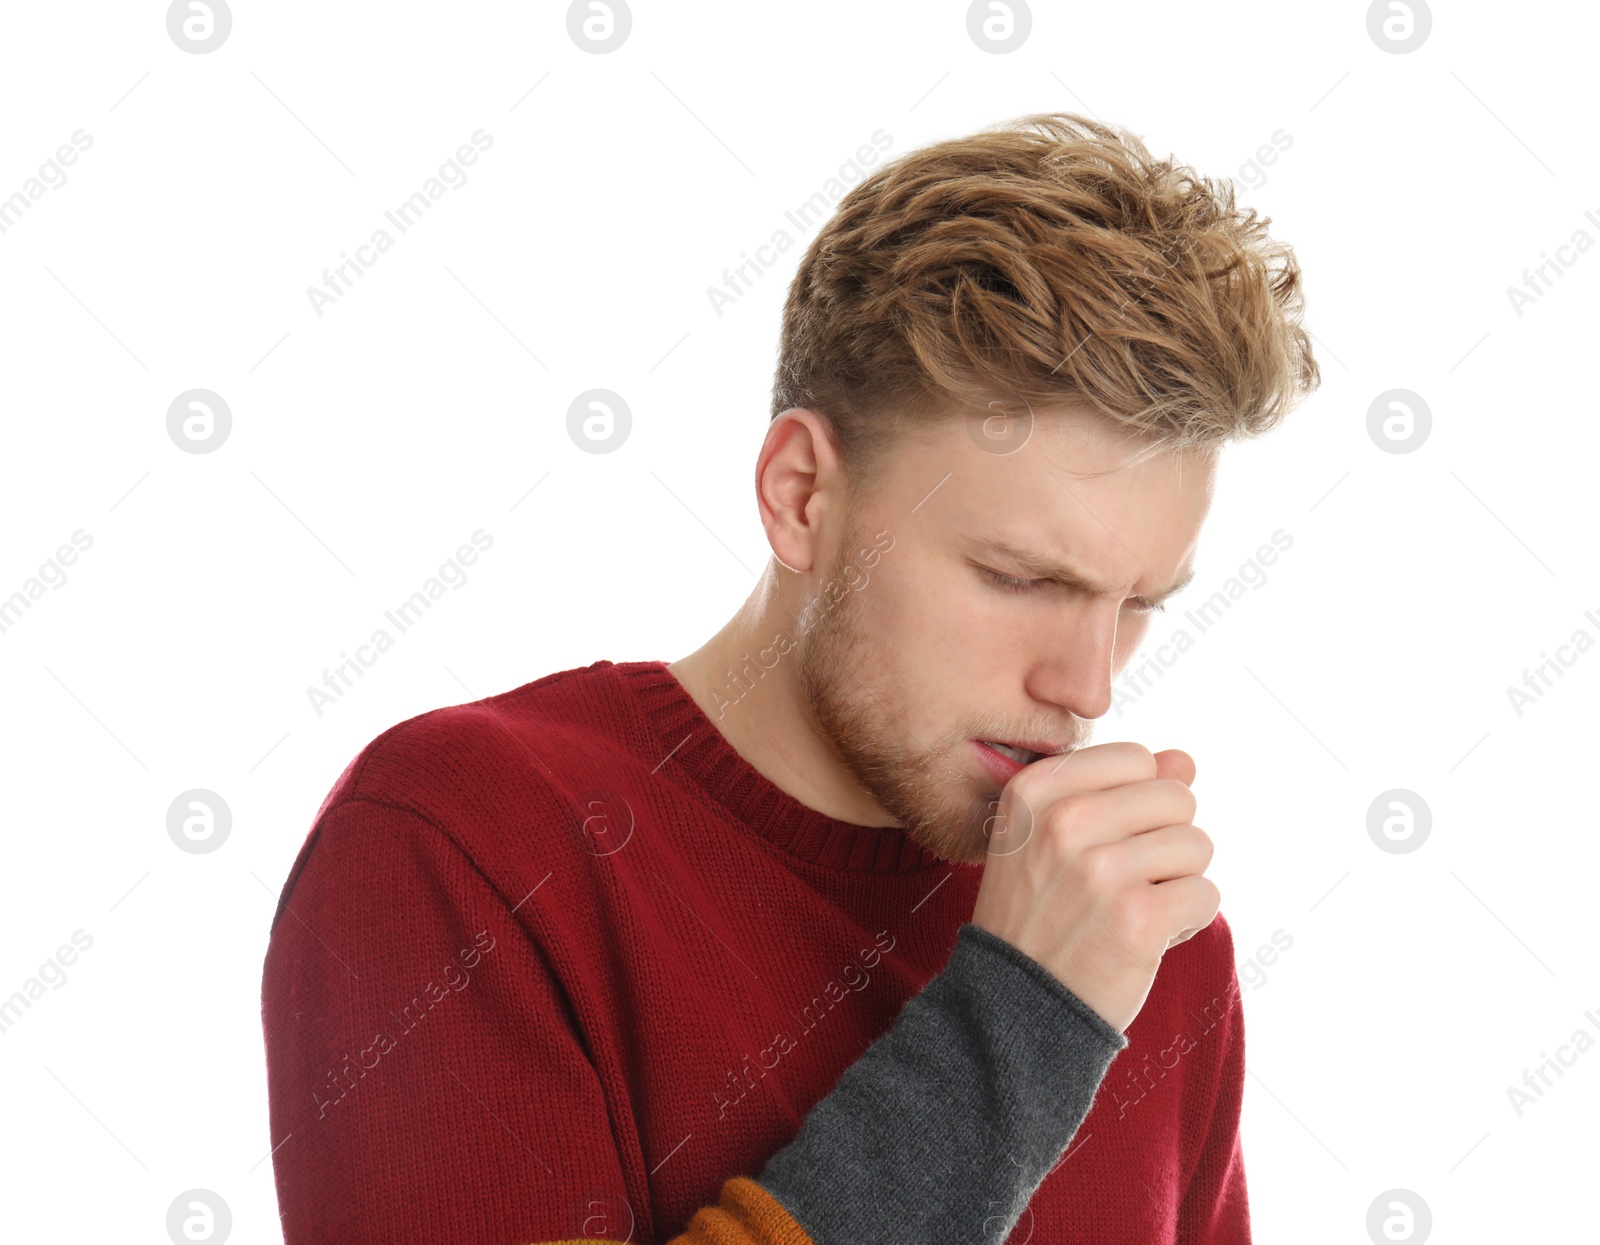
1048, 260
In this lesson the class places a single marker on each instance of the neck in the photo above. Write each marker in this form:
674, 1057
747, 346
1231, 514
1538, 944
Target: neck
752, 693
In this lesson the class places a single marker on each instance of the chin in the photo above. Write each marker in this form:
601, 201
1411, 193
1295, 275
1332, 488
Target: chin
958, 833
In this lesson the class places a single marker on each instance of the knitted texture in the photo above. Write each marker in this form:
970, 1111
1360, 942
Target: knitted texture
560, 965
941, 1132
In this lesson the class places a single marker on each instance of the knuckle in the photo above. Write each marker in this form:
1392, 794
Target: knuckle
1138, 753
1192, 839
1210, 900
1066, 816
1024, 787
1097, 869
1182, 795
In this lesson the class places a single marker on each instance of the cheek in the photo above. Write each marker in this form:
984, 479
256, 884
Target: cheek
915, 624
891, 613
926, 606
961, 629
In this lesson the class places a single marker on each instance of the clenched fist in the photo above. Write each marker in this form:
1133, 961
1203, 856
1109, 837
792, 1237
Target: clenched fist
1095, 869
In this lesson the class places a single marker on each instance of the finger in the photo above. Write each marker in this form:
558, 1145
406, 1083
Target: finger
1097, 768
1190, 902
1175, 763
1173, 851
1132, 810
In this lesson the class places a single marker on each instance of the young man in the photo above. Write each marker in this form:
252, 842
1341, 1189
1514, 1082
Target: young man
835, 931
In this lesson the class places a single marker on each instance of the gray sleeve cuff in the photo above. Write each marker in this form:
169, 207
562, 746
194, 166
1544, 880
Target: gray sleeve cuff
942, 1130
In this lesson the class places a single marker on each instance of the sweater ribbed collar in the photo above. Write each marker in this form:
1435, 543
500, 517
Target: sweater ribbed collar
693, 744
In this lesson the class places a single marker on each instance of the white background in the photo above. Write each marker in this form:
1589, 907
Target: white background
371, 441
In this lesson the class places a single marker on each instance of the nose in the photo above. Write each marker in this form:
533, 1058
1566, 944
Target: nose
1072, 667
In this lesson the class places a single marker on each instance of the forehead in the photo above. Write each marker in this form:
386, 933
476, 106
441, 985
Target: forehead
1068, 482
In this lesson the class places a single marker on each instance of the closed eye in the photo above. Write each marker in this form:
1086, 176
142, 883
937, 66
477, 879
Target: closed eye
1010, 583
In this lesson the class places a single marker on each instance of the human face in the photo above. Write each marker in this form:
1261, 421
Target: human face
914, 669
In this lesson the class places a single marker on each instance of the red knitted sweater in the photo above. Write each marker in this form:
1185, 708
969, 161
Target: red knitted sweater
561, 965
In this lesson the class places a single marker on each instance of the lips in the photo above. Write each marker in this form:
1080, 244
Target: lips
1026, 751
1022, 756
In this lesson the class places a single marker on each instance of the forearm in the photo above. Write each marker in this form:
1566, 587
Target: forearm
944, 1128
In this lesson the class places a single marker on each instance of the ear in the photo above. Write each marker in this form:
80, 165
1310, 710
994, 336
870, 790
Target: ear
799, 476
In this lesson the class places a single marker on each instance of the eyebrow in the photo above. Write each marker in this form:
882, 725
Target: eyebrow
1046, 566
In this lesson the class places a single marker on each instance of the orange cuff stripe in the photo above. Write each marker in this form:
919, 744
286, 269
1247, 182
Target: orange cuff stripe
746, 1215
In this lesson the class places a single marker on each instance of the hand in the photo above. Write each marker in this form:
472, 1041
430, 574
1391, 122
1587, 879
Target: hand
1095, 870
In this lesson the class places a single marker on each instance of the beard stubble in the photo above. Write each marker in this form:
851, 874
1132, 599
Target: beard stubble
848, 681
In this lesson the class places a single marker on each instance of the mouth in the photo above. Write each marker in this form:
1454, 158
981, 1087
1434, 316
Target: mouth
1028, 752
